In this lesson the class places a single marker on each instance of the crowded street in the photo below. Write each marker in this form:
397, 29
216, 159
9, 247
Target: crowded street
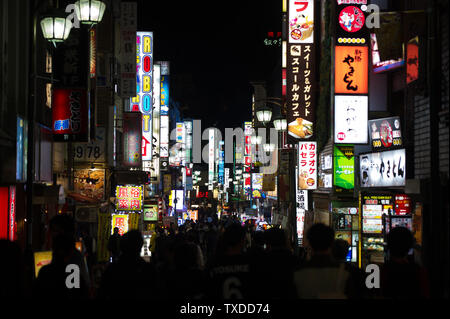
224, 159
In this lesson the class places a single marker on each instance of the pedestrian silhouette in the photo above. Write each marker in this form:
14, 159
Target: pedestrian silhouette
322, 277
278, 266
131, 276
402, 278
11, 270
114, 245
52, 278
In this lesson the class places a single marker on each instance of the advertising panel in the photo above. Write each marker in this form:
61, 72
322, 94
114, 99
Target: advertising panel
211, 160
129, 198
41, 258
350, 119
248, 130
132, 139
351, 69
151, 213
344, 168
70, 115
412, 60
300, 91
385, 133
257, 185
127, 54
177, 199
90, 183
402, 205
156, 122
351, 28
383, 169
373, 208
307, 165
21, 151
301, 21
120, 221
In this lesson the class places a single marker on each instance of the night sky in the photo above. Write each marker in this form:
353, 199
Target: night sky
215, 50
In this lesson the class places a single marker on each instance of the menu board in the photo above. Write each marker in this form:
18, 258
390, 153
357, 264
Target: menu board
402, 205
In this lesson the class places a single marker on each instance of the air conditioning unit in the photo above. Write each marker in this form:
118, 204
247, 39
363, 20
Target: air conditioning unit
86, 214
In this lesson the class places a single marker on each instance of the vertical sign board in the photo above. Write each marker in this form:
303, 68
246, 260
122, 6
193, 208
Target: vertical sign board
132, 139
92, 52
211, 160
221, 173
156, 122
351, 70
344, 168
350, 119
188, 141
127, 51
247, 157
350, 27
300, 81
307, 165
143, 101
301, 208
12, 213
70, 115
20, 146
164, 129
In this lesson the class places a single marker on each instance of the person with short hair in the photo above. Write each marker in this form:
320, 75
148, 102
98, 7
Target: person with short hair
400, 277
322, 277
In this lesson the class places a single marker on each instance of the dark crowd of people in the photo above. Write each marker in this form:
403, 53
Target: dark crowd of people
216, 260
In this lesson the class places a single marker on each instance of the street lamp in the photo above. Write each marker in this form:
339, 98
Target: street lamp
55, 27
280, 123
89, 11
264, 114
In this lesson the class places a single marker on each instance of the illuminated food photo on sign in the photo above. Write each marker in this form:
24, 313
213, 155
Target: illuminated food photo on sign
300, 91
350, 119
385, 133
307, 165
301, 21
351, 69
383, 169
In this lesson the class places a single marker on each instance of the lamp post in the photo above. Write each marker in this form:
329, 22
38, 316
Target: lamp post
90, 11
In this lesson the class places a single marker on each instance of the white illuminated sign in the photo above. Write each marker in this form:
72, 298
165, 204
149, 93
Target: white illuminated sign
383, 169
350, 119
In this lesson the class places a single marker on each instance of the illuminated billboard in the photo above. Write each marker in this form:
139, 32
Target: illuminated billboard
385, 133
350, 119
156, 122
344, 168
132, 139
70, 120
351, 69
301, 21
383, 169
129, 198
307, 165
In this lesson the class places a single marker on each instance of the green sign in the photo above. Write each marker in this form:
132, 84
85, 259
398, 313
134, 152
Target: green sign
151, 213
344, 168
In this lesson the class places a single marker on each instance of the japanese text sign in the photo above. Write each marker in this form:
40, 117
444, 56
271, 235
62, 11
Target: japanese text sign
307, 165
351, 69
129, 198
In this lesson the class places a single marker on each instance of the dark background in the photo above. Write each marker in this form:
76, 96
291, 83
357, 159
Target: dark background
215, 49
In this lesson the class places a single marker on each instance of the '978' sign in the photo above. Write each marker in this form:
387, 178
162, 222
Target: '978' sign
92, 151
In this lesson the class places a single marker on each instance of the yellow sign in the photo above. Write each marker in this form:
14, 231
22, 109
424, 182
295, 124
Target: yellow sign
41, 258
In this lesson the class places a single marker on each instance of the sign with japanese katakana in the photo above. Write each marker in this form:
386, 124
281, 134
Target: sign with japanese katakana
129, 198
70, 115
307, 165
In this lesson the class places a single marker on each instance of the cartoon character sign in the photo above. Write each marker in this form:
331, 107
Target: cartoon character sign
351, 19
